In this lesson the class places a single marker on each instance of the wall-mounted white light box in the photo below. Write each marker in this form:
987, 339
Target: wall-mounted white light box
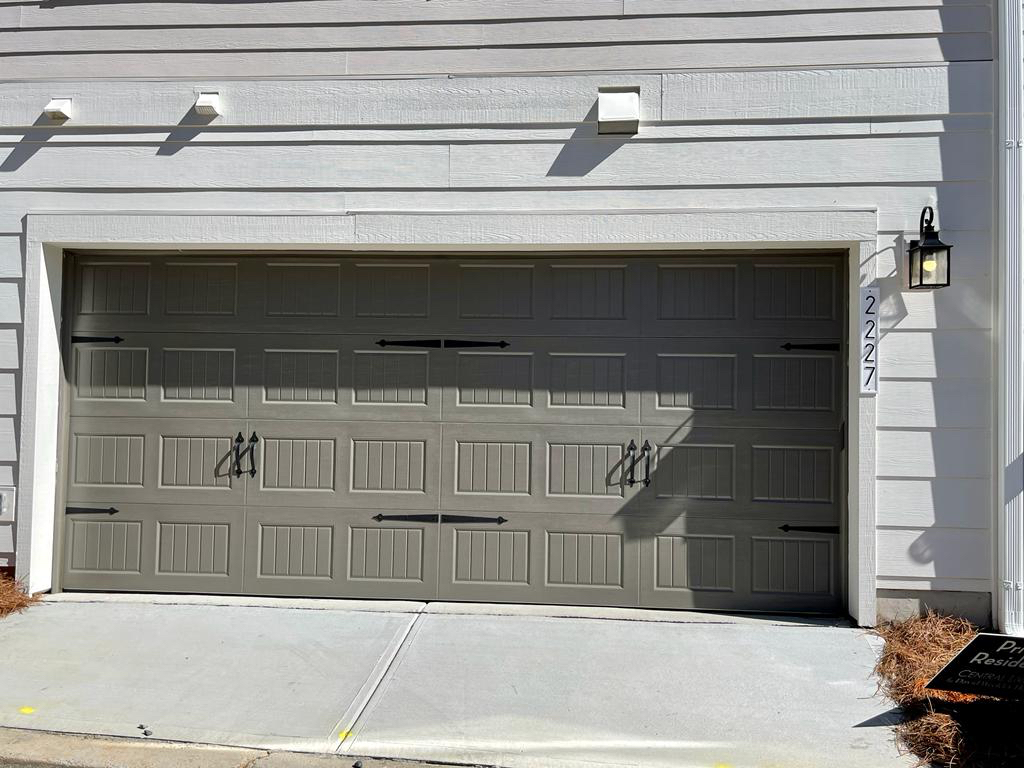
208, 104
58, 109
618, 110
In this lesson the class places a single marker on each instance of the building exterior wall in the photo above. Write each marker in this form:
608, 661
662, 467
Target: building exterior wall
489, 106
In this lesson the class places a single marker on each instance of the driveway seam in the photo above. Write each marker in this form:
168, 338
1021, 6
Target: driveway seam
354, 720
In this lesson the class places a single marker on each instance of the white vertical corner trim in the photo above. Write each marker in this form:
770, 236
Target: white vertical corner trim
861, 420
1010, 277
41, 369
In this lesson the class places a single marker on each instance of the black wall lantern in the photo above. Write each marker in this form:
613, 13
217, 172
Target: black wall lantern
929, 256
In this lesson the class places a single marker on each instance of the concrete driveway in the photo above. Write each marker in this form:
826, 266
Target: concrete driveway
494, 685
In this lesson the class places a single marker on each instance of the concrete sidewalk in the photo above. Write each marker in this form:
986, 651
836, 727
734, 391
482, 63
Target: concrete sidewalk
450, 682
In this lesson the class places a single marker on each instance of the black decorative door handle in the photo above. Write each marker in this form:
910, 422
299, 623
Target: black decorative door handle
252, 454
238, 454
646, 450
631, 469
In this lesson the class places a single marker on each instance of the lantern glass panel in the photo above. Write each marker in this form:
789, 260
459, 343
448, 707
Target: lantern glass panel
935, 267
915, 267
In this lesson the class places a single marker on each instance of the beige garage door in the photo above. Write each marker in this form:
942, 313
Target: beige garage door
633, 431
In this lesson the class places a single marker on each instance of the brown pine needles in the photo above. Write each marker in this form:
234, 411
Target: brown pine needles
13, 598
943, 728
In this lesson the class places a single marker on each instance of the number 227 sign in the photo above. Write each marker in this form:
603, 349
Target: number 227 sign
869, 340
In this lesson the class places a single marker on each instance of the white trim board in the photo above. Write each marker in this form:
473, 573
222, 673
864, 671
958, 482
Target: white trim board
1010, 353
49, 234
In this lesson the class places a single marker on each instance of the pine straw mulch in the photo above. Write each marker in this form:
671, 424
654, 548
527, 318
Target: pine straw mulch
944, 728
13, 598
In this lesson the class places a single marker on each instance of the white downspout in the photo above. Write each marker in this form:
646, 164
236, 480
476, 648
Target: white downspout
1010, 329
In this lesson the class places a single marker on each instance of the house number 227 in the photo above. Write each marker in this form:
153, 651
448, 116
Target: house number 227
869, 340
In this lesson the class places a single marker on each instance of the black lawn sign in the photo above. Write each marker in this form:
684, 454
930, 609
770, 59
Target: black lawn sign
990, 665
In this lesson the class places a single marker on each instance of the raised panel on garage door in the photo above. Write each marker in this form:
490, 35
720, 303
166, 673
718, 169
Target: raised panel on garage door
331, 295
544, 380
583, 559
538, 468
786, 475
577, 297
380, 465
169, 548
185, 375
168, 461
340, 552
743, 296
145, 293
746, 383
302, 377
707, 564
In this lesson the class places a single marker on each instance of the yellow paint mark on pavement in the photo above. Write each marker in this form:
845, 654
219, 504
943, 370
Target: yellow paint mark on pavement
27, 710
722, 765
342, 735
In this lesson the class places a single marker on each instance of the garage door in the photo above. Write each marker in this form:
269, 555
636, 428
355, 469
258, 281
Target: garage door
640, 431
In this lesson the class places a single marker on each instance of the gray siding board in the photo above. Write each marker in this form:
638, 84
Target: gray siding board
30, 15
573, 58
635, 30
10, 256
962, 88
897, 159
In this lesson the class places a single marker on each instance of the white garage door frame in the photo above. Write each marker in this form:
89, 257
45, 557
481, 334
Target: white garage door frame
49, 234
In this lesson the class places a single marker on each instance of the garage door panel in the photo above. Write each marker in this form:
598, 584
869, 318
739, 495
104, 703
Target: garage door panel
742, 297
545, 380
532, 468
346, 464
708, 564
571, 297
149, 293
741, 383
153, 460
550, 557
157, 547
372, 296
342, 377
339, 553
160, 375
787, 475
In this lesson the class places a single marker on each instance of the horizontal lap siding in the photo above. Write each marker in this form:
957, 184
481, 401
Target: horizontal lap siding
879, 104
382, 38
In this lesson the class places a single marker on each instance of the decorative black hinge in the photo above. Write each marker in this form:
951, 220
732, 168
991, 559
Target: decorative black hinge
90, 511
810, 528
441, 343
462, 343
824, 346
96, 339
432, 343
419, 518
471, 519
